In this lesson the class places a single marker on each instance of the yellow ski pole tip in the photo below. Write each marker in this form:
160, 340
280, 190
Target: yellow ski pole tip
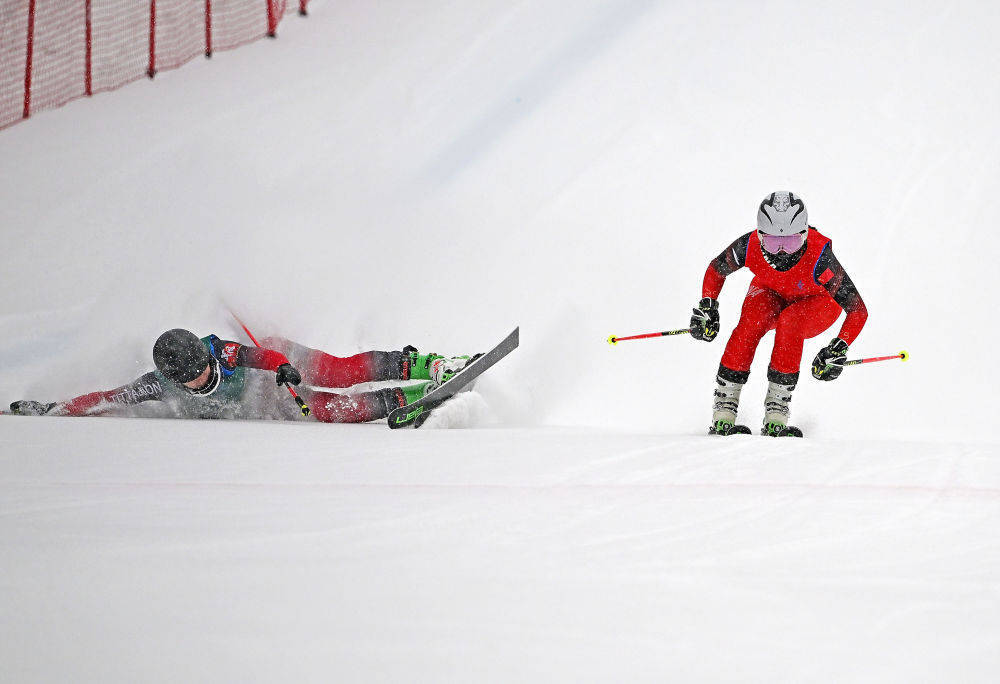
904, 355
612, 339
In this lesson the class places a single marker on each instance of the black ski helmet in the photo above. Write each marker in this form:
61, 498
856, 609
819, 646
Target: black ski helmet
180, 355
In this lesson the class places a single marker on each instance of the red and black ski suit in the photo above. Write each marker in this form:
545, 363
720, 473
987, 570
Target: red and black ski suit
797, 303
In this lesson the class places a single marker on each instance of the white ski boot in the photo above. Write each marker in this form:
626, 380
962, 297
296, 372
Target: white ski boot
776, 411
727, 403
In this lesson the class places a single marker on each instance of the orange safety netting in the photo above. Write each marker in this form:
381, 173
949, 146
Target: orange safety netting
53, 51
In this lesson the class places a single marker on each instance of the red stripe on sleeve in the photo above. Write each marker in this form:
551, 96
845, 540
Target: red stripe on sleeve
264, 359
82, 404
854, 322
711, 286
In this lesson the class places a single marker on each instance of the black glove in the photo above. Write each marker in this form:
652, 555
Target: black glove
287, 373
705, 320
829, 362
31, 408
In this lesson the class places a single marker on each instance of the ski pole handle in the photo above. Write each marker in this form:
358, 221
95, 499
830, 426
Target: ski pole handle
303, 407
902, 356
615, 340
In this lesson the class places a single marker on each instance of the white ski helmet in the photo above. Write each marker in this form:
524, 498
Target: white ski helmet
782, 213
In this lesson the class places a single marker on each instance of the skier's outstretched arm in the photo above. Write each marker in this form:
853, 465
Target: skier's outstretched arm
144, 388
732, 258
829, 362
705, 317
234, 354
831, 275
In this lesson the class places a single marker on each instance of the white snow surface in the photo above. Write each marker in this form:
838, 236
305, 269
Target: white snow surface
434, 173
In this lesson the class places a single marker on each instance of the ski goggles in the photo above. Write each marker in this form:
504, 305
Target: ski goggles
789, 244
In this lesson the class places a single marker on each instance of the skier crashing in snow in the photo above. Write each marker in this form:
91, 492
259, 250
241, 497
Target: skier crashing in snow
207, 378
798, 290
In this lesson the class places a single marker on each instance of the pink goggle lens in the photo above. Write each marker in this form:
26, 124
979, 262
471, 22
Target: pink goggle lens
788, 244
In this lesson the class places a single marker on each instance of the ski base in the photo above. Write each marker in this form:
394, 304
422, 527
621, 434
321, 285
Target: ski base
413, 415
787, 431
728, 430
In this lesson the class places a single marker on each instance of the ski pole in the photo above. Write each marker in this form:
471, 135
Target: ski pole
615, 340
902, 356
298, 400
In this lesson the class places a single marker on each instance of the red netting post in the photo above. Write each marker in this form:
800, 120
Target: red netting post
302, 7
88, 56
28, 58
208, 28
272, 20
151, 71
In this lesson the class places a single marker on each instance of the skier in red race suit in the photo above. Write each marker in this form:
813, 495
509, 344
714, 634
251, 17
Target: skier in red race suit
798, 290
207, 378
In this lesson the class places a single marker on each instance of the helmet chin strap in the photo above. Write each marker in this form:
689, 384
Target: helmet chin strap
214, 380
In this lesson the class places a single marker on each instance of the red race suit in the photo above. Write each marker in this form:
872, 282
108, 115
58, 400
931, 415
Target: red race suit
797, 303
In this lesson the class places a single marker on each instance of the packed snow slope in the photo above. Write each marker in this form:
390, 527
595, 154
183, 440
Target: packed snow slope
435, 173
316, 553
